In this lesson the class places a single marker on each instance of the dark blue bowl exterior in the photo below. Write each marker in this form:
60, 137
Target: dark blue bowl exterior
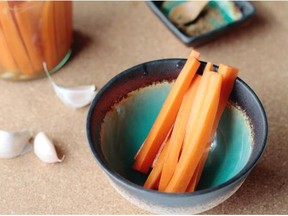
157, 71
247, 9
188, 203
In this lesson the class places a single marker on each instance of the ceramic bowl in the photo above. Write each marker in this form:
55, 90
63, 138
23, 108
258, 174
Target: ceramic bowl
122, 114
247, 9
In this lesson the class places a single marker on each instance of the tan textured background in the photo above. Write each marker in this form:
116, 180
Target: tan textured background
110, 37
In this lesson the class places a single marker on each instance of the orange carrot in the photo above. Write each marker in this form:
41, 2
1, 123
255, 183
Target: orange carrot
28, 24
198, 102
14, 40
161, 147
208, 67
178, 134
48, 35
6, 57
229, 75
69, 24
195, 178
167, 116
60, 28
193, 182
196, 139
154, 176
198, 172
194, 54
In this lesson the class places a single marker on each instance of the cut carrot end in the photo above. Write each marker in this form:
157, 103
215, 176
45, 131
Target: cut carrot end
194, 54
208, 67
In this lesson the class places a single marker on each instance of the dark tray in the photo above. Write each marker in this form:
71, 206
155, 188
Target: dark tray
247, 9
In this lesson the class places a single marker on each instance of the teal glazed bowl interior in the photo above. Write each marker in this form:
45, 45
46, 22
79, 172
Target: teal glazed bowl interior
123, 112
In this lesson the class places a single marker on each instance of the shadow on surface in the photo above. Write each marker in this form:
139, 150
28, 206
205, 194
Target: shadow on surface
80, 42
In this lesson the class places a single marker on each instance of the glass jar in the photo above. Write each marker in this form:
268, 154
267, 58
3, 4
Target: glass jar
31, 33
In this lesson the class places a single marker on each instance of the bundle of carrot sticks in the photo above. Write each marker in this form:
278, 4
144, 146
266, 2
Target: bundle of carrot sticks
175, 151
32, 33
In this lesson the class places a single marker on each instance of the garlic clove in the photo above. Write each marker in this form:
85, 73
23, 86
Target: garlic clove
74, 97
45, 149
12, 144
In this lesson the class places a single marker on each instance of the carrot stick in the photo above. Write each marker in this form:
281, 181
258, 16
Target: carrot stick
178, 133
161, 147
193, 182
48, 35
194, 54
167, 116
196, 139
14, 40
208, 67
6, 57
69, 24
154, 176
198, 103
229, 75
28, 24
60, 28
198, 172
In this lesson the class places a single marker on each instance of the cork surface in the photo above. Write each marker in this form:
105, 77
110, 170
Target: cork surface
110, 37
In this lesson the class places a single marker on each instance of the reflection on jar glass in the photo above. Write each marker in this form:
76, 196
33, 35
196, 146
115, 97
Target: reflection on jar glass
32, 33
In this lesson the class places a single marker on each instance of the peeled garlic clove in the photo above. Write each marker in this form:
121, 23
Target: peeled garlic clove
12, 144
45, 149
75, 97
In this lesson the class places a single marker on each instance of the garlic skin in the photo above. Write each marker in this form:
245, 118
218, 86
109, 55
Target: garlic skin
74, 97
12, 144
45, 150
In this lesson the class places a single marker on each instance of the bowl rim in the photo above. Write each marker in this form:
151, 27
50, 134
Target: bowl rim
133, 186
